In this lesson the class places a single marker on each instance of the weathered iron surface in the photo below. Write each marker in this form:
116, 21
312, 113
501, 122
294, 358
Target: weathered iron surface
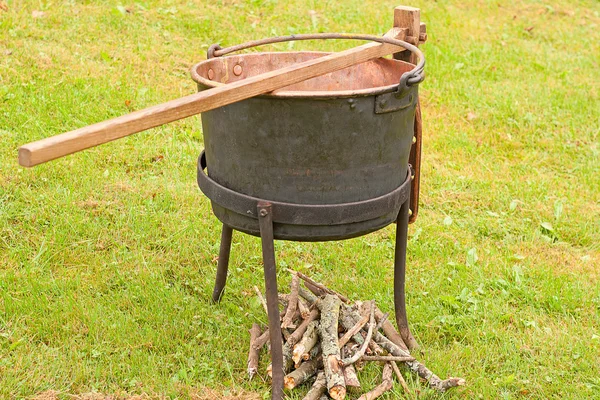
317, 142
308, 222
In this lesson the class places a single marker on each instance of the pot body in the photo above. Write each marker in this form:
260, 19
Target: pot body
310, 147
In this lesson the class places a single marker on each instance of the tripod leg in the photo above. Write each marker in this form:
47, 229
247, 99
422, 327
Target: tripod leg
400, 275
265, 220
223, 263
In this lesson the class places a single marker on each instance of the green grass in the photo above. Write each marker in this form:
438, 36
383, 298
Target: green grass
107, 257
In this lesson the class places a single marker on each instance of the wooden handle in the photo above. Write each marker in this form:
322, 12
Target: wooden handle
67, 143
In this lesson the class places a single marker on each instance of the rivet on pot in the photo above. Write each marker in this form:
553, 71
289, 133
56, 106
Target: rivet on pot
211, 74
414, 139
237, 70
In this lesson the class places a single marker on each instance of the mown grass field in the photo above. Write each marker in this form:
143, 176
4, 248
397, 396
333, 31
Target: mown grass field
107, 257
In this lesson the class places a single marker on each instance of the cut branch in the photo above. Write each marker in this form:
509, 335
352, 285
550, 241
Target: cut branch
303, 307
389, 330
386, 384
297, 335
362, 350
387, 358
353, 331
253, 352
328, 328
374, 347
382, 321
450, 383
313, 353
349, 372
302, 373
415, 366
400, 377
308, 341
319, 285
350, 377
347, 314
261, 340
262, 299
318, 388
308, 295
288, 318
316, 290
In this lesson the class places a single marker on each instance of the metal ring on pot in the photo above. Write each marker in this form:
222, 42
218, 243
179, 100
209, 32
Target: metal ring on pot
304, 214
409, 78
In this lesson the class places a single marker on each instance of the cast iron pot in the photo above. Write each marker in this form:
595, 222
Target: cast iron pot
340, 138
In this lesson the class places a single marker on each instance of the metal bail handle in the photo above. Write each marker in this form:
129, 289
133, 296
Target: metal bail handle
409, 78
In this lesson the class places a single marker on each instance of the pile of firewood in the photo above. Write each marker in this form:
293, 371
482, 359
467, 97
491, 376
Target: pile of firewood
329, 338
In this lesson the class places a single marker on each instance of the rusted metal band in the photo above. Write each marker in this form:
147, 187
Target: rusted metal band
412, 77
304, 214
415, 160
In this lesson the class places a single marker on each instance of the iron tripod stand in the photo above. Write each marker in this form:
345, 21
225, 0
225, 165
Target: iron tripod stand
264, 211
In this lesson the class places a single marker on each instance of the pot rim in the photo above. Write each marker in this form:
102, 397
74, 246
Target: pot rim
300, 94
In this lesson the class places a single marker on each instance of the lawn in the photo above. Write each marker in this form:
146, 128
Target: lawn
107, 257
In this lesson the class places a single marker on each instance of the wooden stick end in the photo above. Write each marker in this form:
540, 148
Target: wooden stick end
25, 157
406, 9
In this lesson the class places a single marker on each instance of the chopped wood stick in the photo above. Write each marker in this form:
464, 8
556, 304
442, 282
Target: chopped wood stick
287, 360
350, 377
374, 348
328, 328
359, 365
319, 285
261, 340
349, 372
288, 318
308, 341
315, 290
389, 330
351, 348
450, 383
302, 373
262, 299
361, 351
387, 358
353, 331
283, 298
386, 384
285, 333
400, 377
415, 366
303, 307
297, 335
307, 295
314, 352
381, 321
347, 320
318, 388
253, 352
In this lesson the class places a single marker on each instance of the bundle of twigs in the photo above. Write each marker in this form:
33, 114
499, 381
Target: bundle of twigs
329, 338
